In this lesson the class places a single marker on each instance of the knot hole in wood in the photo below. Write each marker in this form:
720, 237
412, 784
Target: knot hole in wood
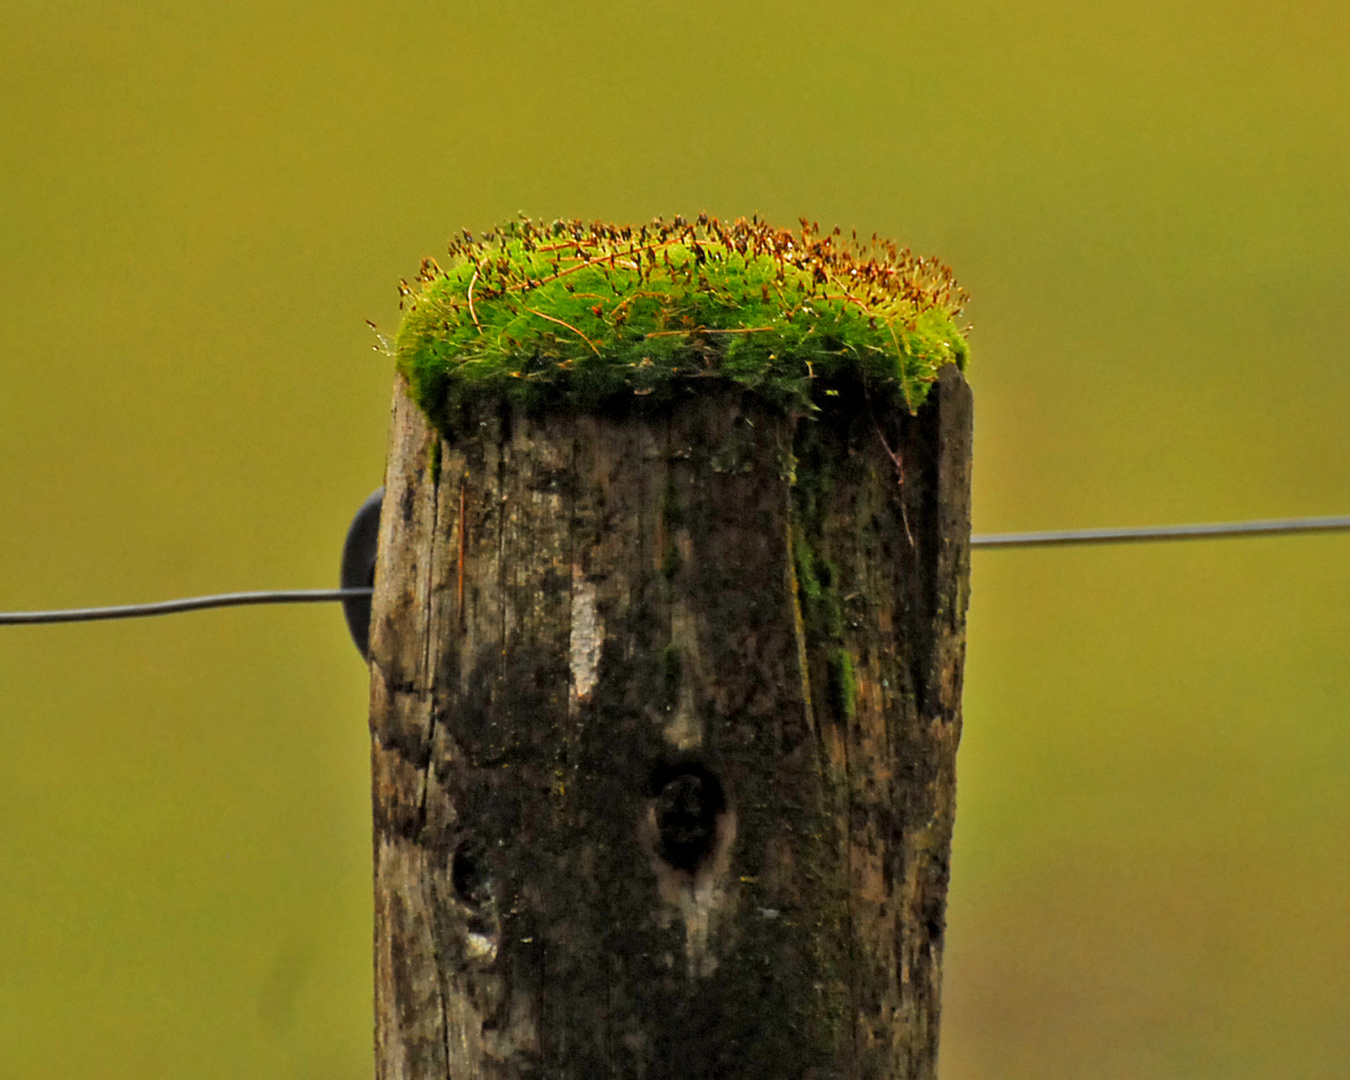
470, 875
689, 802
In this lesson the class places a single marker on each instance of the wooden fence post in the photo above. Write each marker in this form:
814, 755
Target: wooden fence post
665, 706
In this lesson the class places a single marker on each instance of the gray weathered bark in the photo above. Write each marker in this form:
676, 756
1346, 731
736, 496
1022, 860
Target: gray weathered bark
665, 709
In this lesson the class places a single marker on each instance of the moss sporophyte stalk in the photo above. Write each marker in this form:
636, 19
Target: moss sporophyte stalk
586, 315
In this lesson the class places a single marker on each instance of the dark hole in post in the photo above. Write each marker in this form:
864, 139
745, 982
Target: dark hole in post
470, 875
689, 799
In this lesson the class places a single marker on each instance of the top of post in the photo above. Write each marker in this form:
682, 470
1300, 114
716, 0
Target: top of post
590, 316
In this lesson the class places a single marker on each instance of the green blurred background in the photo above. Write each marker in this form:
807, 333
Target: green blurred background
201, 203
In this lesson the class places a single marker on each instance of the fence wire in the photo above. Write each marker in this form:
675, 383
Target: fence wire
1057, 538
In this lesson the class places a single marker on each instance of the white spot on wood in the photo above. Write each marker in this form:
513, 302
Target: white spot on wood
587, 636
683, 730
700, 900
480, 947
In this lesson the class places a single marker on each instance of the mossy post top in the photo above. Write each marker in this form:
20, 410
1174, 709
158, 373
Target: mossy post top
590, 316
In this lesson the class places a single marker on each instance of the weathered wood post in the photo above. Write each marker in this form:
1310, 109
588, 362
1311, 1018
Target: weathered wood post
666, 674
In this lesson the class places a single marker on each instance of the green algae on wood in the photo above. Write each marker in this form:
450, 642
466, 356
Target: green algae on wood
588, 315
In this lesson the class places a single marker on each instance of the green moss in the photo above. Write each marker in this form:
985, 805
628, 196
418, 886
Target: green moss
434, 465
670, 561
823, 608
805, 559
818, 575
586, 316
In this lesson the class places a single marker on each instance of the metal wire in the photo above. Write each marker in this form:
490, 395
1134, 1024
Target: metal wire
1059, 538
172, 607
1211, 531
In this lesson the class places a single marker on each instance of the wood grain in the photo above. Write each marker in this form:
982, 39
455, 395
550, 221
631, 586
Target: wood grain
664, 714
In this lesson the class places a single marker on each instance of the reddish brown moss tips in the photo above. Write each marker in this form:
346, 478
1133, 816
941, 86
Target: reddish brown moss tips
584, 314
